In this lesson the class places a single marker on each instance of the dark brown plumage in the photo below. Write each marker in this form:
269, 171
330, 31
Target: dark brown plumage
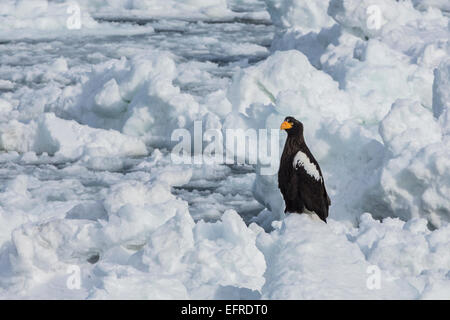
299, 178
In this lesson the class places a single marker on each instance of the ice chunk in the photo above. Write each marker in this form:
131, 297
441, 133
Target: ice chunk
304, 15
366, 18
205, 256
289, 71
441, 88
382, 242
108, 101
409, 127
137, 97
71, 140
299, 250
414, 179
17, 136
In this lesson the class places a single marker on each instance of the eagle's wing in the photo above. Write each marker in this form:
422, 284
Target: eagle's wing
310, 184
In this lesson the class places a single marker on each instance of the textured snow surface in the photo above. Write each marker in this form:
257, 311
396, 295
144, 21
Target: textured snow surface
92, 206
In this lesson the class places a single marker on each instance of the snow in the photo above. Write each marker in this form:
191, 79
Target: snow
304, 15
88, 183
39, 14
67, 139
135, 97
414, 179
300, 245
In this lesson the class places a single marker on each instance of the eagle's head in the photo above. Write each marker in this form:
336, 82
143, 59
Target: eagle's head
292, 126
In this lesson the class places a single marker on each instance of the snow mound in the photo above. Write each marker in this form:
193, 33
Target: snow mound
137, 97
302, 25
179, 259
303, 15
296, 85
71, 140
128, 213
414, 179
66, 139
408, 127
371, 51
204, 257
140, 235
134, 209
423, 261
297, 252
38, 16
382, 17
423, 250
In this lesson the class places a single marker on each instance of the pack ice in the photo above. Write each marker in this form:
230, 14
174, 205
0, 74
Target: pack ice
92, 206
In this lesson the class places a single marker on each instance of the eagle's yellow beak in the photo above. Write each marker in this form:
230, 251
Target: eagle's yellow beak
285, 125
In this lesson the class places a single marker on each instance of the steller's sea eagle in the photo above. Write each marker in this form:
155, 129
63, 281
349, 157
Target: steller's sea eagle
299, 178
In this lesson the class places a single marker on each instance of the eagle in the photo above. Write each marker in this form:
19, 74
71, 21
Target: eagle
300, 179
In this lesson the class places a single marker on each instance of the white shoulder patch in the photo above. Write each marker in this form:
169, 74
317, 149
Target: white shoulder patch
301, 159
